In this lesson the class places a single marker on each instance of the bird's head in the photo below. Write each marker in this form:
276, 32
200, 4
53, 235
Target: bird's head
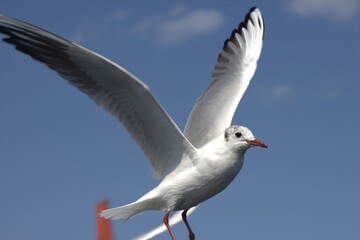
241, 138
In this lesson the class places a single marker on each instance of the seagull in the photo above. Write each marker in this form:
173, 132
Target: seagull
193, 165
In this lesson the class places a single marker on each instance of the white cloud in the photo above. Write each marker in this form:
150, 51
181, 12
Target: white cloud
282, 92
177, 25
177, 10
180, 25
93, 28
116, 16
195, 23
336, 10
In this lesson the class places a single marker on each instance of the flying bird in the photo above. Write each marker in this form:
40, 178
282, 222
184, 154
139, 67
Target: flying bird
193, 165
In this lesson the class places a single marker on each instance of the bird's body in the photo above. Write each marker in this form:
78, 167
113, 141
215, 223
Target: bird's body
193, 166
205, 172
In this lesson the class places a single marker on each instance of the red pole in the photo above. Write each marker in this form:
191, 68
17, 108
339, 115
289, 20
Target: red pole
103, 225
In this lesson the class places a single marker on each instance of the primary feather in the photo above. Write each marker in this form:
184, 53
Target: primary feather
110, 86
236, 65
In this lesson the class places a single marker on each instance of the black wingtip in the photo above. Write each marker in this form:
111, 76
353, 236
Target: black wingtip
252, 9
247, 18
263, 22
243, 25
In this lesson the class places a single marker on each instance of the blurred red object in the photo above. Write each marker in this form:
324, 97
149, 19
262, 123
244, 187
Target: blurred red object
104, 231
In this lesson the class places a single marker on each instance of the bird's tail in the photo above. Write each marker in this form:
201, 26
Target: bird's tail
127, 211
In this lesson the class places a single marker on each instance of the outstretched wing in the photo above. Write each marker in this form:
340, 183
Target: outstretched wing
236, 65
110, 86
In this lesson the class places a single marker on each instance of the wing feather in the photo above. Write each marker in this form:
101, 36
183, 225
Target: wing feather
110, 86
236, 65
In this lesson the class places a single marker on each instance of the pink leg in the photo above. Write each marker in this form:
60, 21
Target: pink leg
166, 222
191, 233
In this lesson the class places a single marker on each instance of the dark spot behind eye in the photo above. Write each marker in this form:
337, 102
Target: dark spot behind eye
238, 134
226, 136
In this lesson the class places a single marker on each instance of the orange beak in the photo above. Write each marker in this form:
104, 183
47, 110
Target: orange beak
257, 143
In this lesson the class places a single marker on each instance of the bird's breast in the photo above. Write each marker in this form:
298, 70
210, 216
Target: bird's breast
200, 182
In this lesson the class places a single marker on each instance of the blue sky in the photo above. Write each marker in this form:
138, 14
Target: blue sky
60, 153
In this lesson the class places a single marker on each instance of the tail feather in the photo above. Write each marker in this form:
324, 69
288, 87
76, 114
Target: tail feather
127, 211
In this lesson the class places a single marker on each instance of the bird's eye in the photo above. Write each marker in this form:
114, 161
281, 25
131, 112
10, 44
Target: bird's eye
238, 134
